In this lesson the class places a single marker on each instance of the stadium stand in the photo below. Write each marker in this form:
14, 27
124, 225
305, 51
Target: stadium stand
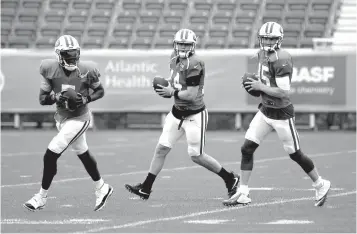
149, 23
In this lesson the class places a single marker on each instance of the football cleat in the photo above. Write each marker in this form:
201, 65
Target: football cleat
232, 188
321, 192
138, 190
102, 196
239, 198
37, 202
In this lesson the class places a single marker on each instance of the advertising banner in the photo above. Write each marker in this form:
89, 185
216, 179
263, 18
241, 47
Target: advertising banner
317, 80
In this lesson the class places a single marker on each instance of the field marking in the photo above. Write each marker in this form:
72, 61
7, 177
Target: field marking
209, 221
178, 169
286, 221
53, 222
196, 214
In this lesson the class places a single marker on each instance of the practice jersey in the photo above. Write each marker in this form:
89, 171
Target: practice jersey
82, 80
184, 73
273, 66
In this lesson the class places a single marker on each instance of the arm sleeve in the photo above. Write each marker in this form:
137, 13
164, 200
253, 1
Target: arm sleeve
194, 75
45, 82
94, 78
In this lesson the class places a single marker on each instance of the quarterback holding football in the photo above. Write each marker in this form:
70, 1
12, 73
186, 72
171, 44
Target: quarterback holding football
276, 112
70, 84
188, 115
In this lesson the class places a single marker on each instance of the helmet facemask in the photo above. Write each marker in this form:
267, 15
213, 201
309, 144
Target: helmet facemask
269, 43
68, 58
184, 49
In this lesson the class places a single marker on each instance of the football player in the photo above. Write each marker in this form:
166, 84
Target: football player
276, 112
58, 75
188, 115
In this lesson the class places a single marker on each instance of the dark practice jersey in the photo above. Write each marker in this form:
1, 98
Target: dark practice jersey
184, 73
82, 80
273, 66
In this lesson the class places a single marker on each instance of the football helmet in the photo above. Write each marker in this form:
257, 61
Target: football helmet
67, 50
184, 43
270, 36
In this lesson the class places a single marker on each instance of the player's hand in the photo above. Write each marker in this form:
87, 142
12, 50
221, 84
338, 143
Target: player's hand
167, 91
60, 99
253, 84
81, 100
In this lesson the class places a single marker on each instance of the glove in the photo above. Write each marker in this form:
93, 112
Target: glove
81, 100
59, 98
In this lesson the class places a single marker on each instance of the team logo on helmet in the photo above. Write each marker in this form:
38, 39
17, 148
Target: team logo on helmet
184, 43
268, 32
67, 50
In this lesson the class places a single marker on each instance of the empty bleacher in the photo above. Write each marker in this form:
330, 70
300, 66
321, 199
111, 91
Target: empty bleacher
146, 24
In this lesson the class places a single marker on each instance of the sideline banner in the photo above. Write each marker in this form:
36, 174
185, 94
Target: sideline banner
318, 80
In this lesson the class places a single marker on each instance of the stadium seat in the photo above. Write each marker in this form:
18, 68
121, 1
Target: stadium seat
245, 18
154, 5
28, 16
118, 43
226, 5
122, 30
18, 42
224, 18
300, 5
149, 17
172, 18
97, 30
178, 5
105, 4
318, 18
54, 16
214, 43
163, 43
141, 43
198, 17
306, 43
32, 4
250, 5
51, 30
126, 17
292, 30
7, 15
314, 30
295, 18
45, 42
9, 4
76, 30
290, 42
275, 5
59, 4
131, 5
167, 30
92, 43
6, 28
274, 16
25, 30
218, 32
78, 16
237, 43
242, 32
203, 5
200, 31
146, 30
101, 16
321, 5
81, 4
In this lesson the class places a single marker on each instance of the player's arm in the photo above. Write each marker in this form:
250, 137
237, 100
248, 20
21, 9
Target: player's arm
193, 79
275, 91
95, 85
45, 97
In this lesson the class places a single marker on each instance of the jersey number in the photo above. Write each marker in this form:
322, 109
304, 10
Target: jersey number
176, 81
264, 74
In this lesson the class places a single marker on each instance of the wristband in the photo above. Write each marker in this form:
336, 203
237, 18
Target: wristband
176, 94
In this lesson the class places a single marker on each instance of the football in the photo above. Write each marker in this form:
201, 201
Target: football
254, 93
71, 96
159, 80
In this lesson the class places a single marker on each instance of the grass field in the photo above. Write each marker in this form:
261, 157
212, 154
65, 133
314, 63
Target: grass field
185, 198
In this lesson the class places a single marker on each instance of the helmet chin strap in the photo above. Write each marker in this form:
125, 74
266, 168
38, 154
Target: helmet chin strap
69, 67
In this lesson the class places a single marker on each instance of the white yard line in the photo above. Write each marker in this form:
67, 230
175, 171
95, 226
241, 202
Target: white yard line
196, 214
179, 168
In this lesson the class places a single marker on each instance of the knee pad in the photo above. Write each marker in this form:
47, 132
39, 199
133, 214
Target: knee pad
58, 144
248, 150
305, 162
193, 150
